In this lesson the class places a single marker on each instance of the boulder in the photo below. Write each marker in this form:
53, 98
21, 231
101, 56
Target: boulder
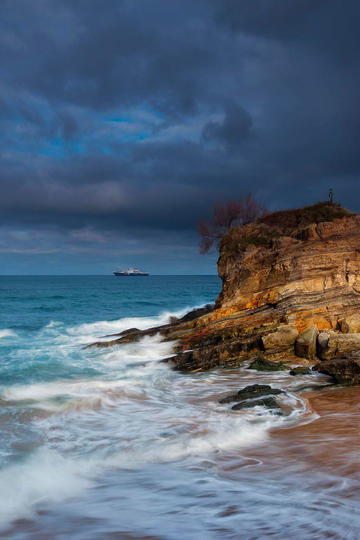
305, 344
343, 370
252, 392
333, 345
260, 363
322, 342
281, 340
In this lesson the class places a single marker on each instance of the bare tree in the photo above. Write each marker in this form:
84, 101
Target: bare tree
225, 215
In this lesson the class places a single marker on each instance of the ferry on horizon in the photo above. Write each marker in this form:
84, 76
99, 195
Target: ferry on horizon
130, 272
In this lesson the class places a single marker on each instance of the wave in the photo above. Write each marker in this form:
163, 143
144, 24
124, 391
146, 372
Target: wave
7, 333
129, 436
142, 323
45, 476
132, 411
95, 330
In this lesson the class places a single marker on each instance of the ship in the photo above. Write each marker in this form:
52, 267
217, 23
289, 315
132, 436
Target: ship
130, 272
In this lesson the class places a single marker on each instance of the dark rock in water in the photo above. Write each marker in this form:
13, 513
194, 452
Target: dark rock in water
125, 332
175, 329
262, 364
129, 331
214, 353
301, 370
269, 402
251, 392
343, 370
199, 312
193, 314
129, 336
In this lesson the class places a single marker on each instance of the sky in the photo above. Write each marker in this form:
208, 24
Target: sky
122, 122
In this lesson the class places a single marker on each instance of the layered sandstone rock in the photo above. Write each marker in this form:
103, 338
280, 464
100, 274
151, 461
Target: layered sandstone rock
311, 277
285, 278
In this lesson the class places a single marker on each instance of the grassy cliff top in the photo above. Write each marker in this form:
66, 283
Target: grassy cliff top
283, 223
288, 220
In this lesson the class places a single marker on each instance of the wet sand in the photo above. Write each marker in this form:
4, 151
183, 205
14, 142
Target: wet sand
332, 440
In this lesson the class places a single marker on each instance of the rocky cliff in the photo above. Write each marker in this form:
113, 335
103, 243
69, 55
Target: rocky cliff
285, 278
299, 275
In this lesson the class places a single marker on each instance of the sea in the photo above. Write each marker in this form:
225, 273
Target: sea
113, 444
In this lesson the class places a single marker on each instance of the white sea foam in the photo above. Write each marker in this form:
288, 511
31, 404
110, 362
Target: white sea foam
45, 477
52, 324
134, 411
7, 333
129, 370
51, 476
101, 328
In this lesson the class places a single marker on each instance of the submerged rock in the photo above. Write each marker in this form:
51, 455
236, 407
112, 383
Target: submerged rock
300, 370
262, 364
269, 402
343, 370
251, 392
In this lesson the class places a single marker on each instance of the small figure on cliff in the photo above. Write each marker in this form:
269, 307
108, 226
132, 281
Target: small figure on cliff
331, 193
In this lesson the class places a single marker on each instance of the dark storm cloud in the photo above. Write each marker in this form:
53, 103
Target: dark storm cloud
326, 26
104, 55
125, 116
235, 127
275, 19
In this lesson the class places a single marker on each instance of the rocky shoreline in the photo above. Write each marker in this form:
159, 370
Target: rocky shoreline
290, 297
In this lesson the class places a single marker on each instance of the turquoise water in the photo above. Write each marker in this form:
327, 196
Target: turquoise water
30, 303
38, 310
110, 443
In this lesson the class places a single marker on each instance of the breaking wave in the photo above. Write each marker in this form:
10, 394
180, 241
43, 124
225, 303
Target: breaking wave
7, 333
132, 411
